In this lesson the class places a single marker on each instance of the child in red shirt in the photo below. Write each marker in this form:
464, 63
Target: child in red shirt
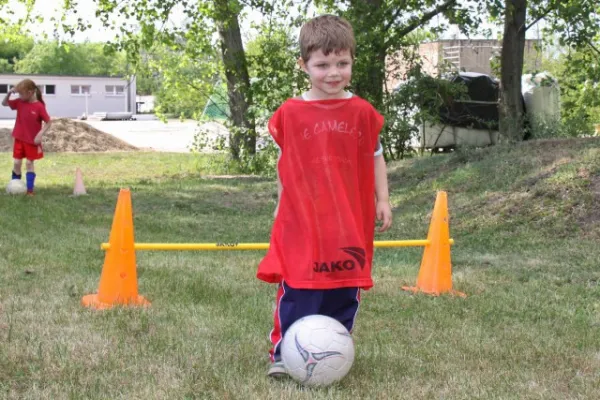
332, 184
27, 133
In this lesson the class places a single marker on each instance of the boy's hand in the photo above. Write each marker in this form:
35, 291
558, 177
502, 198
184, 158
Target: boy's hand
384, 213
38, 139
276, 209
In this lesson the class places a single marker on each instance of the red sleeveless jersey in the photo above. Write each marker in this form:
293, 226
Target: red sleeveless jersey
322, 237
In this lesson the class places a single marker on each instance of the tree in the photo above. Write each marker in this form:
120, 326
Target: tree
380, 26
578, 73
148, 25
15, 46
272, 62
576, 22
72, 59
386, 32
243, 137
382, 29
182, 83
193, 41
511, 64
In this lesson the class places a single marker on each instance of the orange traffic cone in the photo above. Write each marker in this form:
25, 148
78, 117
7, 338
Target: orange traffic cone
118, 282
435, 274
79, 189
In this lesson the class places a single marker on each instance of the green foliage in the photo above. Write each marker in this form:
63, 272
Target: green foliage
14, 45
578, 74
275, 77
417, 101
182, 65
217, 107
263, 162
272, 59
575, 23
188, 56
383, 28
72, 59
189, 68
148, 81
387, 35
184, 82
581, 95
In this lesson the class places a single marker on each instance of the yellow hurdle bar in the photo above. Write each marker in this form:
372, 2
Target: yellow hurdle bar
253, 246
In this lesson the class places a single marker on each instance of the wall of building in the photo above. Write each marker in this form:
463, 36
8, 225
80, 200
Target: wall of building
71, 96
473, 56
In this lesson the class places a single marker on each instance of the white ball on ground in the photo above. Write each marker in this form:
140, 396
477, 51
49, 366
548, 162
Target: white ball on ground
16, 186
317, 350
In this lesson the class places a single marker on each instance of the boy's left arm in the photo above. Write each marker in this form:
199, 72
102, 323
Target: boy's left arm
383, 208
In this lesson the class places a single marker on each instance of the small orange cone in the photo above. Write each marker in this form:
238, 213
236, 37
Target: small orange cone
79, 189
435, 274
118, 282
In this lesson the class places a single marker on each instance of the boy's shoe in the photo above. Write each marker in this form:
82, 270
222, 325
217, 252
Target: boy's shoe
30, 193
277, 370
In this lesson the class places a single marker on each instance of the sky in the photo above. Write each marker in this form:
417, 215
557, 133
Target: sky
87, 8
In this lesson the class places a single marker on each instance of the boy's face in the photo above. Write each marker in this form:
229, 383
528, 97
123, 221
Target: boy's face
329, 74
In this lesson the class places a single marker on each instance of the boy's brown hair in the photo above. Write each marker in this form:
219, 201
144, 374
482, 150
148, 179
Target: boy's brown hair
326, 33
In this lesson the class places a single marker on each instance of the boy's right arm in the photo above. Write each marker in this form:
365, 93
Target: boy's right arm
5, 101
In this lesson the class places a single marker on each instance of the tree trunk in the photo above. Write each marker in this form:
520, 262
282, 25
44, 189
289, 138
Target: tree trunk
513, 48
243, 135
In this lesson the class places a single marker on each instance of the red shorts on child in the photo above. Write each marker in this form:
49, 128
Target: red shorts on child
29, 151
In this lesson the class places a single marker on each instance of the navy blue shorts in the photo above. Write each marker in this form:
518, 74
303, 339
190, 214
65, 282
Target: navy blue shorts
293, 304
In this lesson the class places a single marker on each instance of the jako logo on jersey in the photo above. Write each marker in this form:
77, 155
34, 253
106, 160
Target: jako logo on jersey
358, 253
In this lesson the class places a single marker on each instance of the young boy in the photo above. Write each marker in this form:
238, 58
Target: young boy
332, 183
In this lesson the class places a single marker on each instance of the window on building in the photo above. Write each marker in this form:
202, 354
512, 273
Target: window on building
114, 90
80, 90
4, 88
48, 89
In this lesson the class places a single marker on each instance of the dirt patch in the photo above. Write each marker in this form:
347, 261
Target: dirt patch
552, 150
545, 172
589, 220
67, 135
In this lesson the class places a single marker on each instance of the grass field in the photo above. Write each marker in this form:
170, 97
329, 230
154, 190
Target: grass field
526, 222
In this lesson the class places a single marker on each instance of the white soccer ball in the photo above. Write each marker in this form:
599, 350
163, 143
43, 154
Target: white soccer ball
16, 186
317, 350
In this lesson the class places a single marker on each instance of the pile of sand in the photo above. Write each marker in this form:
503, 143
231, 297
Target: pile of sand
67, 135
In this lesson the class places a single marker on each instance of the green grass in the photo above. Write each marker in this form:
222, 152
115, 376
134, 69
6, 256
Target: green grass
526, 221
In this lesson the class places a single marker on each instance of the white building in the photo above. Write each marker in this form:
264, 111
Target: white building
145, 104
74, 96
